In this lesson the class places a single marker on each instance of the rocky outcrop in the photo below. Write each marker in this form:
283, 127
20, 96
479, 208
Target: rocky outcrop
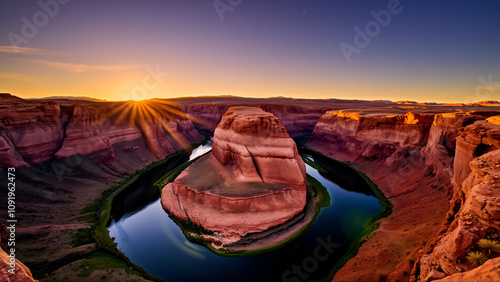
33, 132
30, 132
410, 157
253, 180
473, 141
440, 150
257, 148
13, 269
95, 131
475, 207
490, 271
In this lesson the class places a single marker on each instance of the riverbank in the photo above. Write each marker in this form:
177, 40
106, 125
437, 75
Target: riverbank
93, 254
391, 250
372, 224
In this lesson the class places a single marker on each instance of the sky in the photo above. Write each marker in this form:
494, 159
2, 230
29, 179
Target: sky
426, 51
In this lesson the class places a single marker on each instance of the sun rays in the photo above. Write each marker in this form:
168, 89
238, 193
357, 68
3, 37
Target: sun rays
145, 114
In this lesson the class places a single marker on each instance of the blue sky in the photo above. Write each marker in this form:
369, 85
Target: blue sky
442, 51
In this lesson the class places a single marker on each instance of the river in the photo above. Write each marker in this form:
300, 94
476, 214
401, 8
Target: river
146, 234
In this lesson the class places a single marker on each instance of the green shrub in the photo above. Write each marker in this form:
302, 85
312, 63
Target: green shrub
489, 245
476, 258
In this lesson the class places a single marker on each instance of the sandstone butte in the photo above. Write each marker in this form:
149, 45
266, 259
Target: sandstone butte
254, 178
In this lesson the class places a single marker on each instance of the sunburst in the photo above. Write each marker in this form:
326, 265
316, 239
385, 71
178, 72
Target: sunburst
146, 112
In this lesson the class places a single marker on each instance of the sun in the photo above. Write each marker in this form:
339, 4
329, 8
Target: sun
137, 100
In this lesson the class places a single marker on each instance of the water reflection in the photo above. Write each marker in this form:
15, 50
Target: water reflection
146, 234
342, 175
136, 197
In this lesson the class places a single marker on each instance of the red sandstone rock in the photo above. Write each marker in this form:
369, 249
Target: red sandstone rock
407, 155
475, 207
489, 271
253, 180
21, 273
30, 132
257, 147
34, 132
473, 141
245, 208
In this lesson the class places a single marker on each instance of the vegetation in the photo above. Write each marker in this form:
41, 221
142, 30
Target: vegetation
489, 245
486, 249
312, 164
476, 258
97, 213
82, 237
104, 260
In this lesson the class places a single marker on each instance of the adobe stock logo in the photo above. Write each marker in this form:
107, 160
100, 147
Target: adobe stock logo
311, 263
30, 28
221, 7
362, 38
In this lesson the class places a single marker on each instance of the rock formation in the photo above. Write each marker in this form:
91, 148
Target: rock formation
257, 147
436, 163
410, 157
254, 178
475, 207
490, 271
21, 272
473, 141
298, 116
33, 132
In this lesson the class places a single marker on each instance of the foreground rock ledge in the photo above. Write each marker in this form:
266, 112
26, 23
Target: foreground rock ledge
253, 180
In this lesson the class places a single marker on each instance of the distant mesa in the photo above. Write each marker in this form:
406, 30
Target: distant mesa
253, 180
75, 98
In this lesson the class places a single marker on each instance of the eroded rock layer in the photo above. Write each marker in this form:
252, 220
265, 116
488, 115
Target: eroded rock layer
257, 147
475, 206
490, 271
298, 116
410, 157
254, 178
33, 132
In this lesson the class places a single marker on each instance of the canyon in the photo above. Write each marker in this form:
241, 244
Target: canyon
66, 153
437, 164
418, 160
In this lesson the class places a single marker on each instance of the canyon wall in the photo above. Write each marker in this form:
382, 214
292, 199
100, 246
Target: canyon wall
66, 153
297, 120
475, 205
71, 150
298, 116
34, 132
416, 159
